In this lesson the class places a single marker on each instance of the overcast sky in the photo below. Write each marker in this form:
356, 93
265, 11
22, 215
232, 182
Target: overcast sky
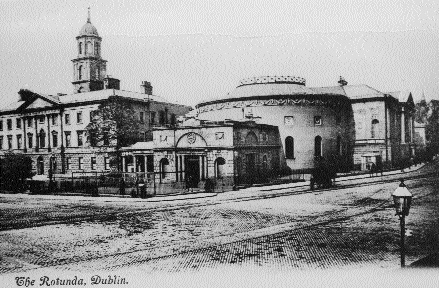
197, 50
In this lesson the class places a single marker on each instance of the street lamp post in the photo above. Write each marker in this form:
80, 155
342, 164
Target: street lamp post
402, 199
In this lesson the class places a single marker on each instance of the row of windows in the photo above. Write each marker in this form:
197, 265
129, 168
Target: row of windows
93, 163
89, 48
53, 118
80, 137
289, 147
69, 164
318, 121
81, 72
162, 119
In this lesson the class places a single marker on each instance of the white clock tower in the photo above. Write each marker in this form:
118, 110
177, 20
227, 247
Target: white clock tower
89, 69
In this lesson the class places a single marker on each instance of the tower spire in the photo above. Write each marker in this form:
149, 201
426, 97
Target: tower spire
88, 15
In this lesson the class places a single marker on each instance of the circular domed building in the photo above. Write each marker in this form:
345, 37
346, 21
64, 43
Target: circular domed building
315, 124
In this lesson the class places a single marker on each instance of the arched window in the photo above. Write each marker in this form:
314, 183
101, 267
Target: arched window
339, 152
80, 47
80, 72
289, 147
88, 48
318, 146
219, 167
96, 48
375, 129
29, 140
164, 166
42, 139
251, 139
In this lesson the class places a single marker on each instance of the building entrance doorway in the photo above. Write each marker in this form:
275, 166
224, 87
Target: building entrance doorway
192, 171
40, 166
251, 167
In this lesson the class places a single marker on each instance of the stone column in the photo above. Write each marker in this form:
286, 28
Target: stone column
200, 162
402, 127
37, 136
49, 148
183, 167
24, 135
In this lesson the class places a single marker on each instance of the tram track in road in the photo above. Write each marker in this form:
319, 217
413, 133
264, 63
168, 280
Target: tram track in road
143, 255
140, 256
278, 192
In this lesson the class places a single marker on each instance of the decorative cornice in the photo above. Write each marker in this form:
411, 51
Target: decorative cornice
272, 101
273, 79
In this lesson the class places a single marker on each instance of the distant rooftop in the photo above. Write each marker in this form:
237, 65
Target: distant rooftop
89, 97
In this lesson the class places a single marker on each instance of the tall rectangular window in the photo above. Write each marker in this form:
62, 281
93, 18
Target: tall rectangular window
79, 117
162, 117
30, 122
152, 117
19, 141
54, 119
54, 139
68, 138
9, 124
1, 142
9, 141
67, 119
141, 115
18, 123
1, 125
107, 163
80, 163
93, 163
68, 163
80, 140
29, 140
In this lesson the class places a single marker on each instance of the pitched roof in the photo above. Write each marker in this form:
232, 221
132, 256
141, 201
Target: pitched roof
402, 96
86, 97
361, 91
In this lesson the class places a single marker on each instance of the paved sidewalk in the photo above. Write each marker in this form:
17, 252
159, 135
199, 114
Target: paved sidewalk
430, 261
188, 196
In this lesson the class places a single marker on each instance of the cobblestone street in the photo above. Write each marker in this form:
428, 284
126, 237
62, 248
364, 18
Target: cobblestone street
352, 227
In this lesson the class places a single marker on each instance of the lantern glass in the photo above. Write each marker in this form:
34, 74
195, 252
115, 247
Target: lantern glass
402, 204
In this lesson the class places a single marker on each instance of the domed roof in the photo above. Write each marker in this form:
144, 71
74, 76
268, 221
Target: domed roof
276, 86
88, 29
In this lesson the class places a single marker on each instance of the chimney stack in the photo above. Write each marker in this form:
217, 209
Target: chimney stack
146, 87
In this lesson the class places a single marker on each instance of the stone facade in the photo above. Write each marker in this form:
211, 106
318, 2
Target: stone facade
307, 117
52, 129
384, 127
231, 152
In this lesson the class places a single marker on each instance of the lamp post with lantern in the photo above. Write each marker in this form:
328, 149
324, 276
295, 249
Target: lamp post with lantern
402, 199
